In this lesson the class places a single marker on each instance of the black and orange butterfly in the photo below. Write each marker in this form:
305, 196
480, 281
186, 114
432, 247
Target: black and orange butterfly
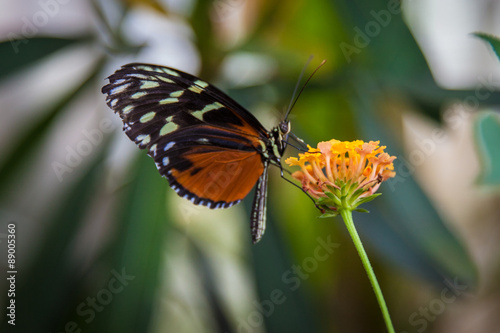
211, 150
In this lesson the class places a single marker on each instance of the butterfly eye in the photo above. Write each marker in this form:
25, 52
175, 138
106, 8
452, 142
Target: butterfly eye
285, 127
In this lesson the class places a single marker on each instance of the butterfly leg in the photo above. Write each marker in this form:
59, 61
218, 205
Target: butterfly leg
301, 142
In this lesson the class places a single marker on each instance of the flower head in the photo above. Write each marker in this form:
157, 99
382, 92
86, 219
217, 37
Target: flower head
343, 174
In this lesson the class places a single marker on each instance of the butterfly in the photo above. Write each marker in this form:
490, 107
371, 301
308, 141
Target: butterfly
211, 150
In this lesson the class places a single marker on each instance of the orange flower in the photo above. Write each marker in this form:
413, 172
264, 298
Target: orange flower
343, 174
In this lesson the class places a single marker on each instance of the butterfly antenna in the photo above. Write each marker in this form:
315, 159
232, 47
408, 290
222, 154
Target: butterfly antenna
294, 99
297, 86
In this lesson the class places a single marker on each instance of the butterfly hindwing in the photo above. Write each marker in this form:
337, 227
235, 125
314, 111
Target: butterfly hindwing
196, 134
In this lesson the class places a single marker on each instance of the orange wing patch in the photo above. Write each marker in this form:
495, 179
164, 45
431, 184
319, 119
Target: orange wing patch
224, 176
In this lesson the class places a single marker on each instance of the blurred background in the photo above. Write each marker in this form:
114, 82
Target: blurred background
104, 245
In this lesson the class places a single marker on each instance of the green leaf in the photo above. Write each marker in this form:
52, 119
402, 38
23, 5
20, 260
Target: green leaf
329, 214
361, 210
332, 196
18, 52
487, 134
30, 140
357, 193
368, 199
322, 201
494, 41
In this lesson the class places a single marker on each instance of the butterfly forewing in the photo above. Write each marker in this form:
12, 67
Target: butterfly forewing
203, 142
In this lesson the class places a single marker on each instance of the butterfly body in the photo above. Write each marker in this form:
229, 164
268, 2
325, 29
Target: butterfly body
211, 150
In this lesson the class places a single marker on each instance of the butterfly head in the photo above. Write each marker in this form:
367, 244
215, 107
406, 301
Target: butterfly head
277, 142
285, 127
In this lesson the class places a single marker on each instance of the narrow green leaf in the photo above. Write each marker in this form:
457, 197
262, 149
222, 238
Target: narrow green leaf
331, 196
494, 41
368, 199
326, 201
329, 214
487, 134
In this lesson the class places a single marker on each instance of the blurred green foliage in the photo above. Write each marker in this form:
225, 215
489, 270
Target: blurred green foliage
348, 99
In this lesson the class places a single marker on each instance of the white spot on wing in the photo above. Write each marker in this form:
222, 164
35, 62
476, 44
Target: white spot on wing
119, 89
165, 79
146, 68
169, 71
177, 93
127, 109
201, 83
168, 101
213, 106
195, 88
165, 161
149, 84
137, 75
200, 113
169, 145
147, 117
153, 149
168, 128
139, 94
143, 139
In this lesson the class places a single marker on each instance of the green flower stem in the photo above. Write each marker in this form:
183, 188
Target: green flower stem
347, 216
